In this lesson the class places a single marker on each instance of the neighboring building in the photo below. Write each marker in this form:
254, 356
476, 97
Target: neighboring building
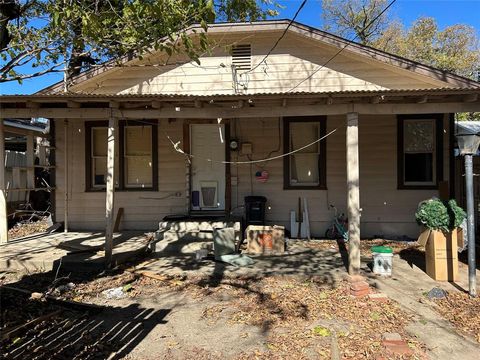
23, 140
269, 105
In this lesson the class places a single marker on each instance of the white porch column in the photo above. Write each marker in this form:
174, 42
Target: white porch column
353, 198
3, 195
110, 189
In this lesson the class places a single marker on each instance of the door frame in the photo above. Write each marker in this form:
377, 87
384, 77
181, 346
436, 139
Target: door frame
187, 149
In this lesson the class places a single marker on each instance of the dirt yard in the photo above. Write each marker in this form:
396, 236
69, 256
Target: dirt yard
179, 318
149, 315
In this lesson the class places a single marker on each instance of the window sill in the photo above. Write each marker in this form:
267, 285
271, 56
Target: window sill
417, 187
121, 190
317, 187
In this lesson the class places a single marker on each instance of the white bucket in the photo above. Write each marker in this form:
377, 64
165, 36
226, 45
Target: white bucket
382, 263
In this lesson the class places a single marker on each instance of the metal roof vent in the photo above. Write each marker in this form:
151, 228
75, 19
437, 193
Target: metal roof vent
242, 56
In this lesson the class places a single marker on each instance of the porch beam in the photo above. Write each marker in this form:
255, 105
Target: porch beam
208, 112
353, 194
471, 98
110, 190
156, 105
3, 195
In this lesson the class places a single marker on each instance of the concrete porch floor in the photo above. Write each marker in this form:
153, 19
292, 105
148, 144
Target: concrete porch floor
78, 251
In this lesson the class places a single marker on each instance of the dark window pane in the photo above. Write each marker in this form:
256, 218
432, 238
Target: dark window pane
419, 167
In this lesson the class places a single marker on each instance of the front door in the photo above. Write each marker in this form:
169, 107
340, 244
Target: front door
207, 146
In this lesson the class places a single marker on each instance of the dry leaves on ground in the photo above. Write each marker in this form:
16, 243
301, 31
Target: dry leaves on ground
28, 228
462, 311
365, 245
301, 318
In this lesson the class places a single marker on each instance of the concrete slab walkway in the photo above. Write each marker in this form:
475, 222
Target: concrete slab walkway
408, 286
80, 251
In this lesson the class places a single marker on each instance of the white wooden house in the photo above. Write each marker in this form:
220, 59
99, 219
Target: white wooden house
389, 123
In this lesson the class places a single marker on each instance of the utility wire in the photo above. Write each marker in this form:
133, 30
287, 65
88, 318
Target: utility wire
177, 148
343, 48
279, 39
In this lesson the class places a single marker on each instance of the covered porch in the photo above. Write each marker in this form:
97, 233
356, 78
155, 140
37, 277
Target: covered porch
349, 106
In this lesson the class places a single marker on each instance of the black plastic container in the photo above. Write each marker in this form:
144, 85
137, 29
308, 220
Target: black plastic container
255, 210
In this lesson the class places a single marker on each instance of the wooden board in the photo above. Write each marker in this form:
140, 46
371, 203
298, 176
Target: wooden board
118, 219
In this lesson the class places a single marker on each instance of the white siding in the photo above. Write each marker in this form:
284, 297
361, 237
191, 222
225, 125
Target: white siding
87, 209
296, 63
386, 210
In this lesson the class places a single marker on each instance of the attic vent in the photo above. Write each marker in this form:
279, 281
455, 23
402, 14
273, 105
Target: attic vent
242, 56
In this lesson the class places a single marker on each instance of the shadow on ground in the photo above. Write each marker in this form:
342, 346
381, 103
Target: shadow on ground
73, 332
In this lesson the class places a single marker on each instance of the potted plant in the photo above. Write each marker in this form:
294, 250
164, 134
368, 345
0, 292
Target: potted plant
440, 220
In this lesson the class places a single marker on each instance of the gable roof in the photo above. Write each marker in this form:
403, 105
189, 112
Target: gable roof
447, 79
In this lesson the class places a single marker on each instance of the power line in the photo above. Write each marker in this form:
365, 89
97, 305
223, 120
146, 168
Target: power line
349, 42
279, 39
177, 148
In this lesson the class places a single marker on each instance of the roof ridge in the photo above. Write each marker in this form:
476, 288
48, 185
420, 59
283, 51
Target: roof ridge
360, 48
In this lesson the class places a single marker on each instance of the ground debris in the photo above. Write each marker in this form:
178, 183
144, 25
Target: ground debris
436, 293
26, 228
299, 317
462, 311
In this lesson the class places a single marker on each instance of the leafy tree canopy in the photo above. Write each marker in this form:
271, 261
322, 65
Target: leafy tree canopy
455, 48
53, 35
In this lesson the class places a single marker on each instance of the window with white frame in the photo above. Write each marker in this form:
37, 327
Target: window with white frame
305, 167
420, 147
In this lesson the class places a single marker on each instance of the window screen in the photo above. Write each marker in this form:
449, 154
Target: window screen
138, 156
304, 164
99, 157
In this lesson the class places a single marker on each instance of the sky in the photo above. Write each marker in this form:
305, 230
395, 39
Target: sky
446, 12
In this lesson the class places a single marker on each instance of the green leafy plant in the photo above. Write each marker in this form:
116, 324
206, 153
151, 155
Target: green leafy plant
436, 214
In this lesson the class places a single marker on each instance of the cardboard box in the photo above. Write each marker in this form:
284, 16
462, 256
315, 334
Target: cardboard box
441, 256
461, 238
265, 239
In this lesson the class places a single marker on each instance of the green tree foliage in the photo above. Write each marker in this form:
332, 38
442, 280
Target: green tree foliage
54, 35
454, 49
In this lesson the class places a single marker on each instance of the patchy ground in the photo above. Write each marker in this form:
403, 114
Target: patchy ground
26, 228
236, 317
241, 318
365, 245
462, 311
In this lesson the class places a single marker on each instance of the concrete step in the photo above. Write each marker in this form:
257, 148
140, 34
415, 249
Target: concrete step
196, 225
186, 237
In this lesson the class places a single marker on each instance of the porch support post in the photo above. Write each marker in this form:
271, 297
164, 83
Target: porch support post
3, 195
353, 198
30, 163
66, 183
110, 189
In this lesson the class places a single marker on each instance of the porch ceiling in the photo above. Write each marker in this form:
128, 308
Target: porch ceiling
92, 106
